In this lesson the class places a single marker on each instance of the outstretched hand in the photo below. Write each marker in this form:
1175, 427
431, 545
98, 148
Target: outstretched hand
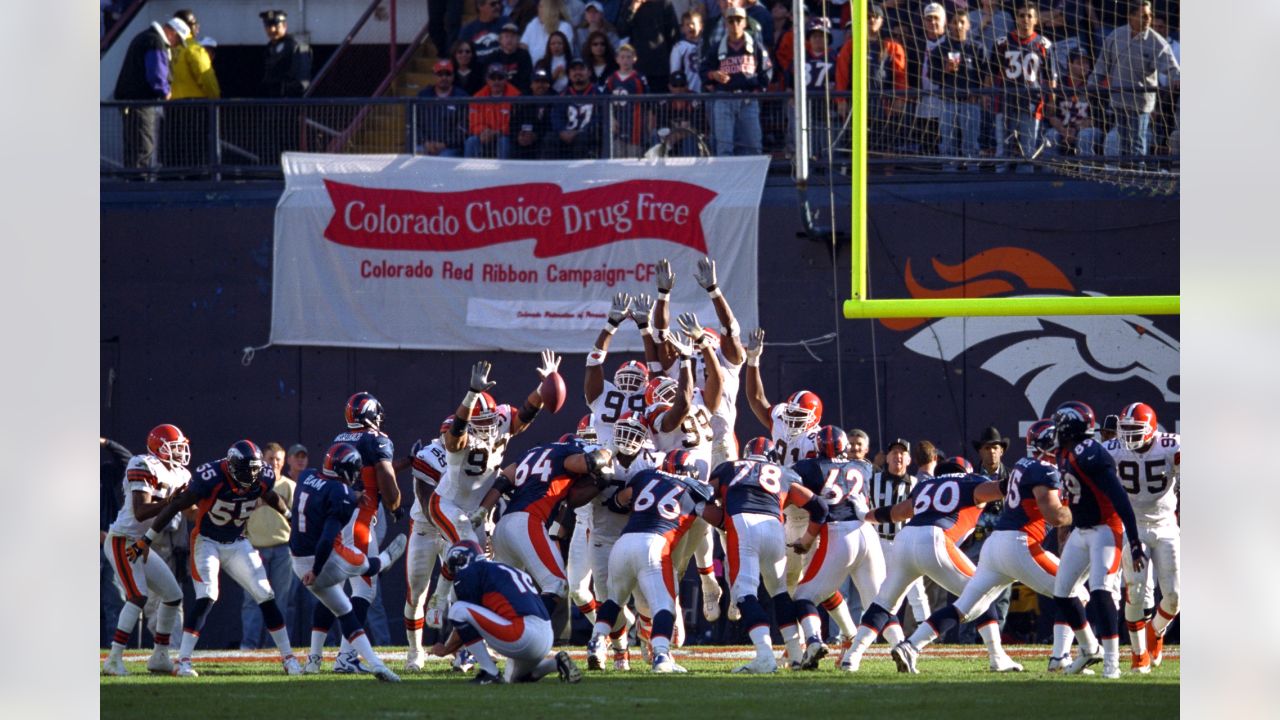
550, 363
620, 308
480, 381
755, 345
706, 274
666, 278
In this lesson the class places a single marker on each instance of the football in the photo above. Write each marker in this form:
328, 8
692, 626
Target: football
552, 392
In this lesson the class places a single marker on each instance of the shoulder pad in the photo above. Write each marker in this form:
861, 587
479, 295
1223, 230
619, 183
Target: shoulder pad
698, 490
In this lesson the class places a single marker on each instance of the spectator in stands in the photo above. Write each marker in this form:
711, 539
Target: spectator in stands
442, 125
818, 76
514, 58
629, 118
736, 69
783, 50
762, 18
1132, 58
593, 21
1074, 130
297, 461
268, 531
531, 122
552, 18
482, 33
653, 28
520, 12
887, 75
490, 123
681, 123
144, 75
989, 22
444, 20
110, 500
184, 142
598, 55
287, 69
686, 54
556, 61
714, 28
467, 75
1025, 67
959, 66
933, 23
577, 125
192, 65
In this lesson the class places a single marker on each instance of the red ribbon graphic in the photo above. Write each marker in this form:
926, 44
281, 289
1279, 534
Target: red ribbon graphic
561, 222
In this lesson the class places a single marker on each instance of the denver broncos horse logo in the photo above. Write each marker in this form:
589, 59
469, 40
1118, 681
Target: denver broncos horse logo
1038, 355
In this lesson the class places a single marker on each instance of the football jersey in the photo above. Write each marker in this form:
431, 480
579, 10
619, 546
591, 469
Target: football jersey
1027, 70
663, 504
628, 120
842, 483
606, 521
542, 481
317, 500
147, 473
374, 446
1093, 489
754, 486
224, 508
791, 451
723, 419
499, 587
946, 501
1021, 511
1073, 104
473, 467
609, 406
694, 433
429, 466
1151, 478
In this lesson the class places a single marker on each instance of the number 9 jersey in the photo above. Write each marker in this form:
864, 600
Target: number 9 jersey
694, 433
473, 468
1150, 477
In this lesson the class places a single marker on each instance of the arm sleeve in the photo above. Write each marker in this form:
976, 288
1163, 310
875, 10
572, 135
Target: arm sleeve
1110, 485
156, 64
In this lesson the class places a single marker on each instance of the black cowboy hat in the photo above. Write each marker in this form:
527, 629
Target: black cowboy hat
991, 435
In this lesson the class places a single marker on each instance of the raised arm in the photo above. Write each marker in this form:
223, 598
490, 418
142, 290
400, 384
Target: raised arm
593, 384
672, 418
662, 313
456, 438
549, 363
730, 344
755, 389
642, 314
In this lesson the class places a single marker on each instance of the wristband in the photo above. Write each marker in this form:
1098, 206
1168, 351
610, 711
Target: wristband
528, 413
714, 292
662, 294
596, 357
733, 329
611, 327
753, 361
151, 535
469, 400
646, 331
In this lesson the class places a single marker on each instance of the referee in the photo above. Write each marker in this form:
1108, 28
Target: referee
887, 488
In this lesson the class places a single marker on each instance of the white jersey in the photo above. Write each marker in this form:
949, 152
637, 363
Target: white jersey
609, 406
1151, 478
150, 474
791, 451
726, 414
694, 433
605, 523
429, 466
472, 469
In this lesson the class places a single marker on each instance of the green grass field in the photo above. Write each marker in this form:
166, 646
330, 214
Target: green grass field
954, 682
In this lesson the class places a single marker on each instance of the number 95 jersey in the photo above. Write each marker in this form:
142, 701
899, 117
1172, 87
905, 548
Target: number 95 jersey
694, 433
223, 508
1150, 478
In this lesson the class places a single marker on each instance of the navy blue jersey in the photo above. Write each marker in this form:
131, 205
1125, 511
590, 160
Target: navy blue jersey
542, 480
318, 501
628, 118
754, 486
224, 508
946, 501
1027, 71
374, 446
1021, 512
663, 504
1093, 489
842, 483
501, 588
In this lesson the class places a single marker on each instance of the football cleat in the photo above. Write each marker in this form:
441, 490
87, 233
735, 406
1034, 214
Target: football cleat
1003, 663
291, 666
905, 655
1084, 660
184, 669
846, 642
814, 651
1155, 645
314, 663
595, 653
622, 660
794, 665
160, 662
1111, 670
384, 674
849, 660
414, 662
115, 666
348, 663
711, 594
569, 672
664, 664
761, 665
463, 661
486, 678
734, 613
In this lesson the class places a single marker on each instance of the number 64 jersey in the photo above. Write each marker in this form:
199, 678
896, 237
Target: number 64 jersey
1150, 477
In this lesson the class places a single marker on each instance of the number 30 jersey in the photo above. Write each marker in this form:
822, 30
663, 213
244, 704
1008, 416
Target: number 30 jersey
609, 406
473, 468
224, 508
1151, 478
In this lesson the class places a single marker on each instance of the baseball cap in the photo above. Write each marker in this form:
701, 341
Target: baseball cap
271, 17
1077, 54
179, 27
577, 62
933, 8
442, 66
875, 9
735, 12
496, 70
817, 23
541, 74
594, 4
296, 448
511, 28
678, 79
900, 441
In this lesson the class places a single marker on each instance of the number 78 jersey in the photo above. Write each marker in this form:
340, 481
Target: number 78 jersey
1150, 478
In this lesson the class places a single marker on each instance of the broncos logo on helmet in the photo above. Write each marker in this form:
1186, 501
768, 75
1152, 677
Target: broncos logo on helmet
1073, 421
244, 463
462, 554
680, 462
342, 462
363, 410
1042, 440
833, 443
760, 448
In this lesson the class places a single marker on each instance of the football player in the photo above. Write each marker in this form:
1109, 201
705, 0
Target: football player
754, 490
1011, 554
1101, 514
364, 418
847, 546
579, 560
224, 492
425, 542
497, 608
1148, 463
942, 511
324, 558
664, 504
151, 480
475, 446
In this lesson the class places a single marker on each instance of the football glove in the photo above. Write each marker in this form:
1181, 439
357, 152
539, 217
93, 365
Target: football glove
480, 381
666, 278
706, 274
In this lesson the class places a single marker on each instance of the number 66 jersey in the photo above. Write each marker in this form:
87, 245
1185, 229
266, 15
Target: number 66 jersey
1150, 476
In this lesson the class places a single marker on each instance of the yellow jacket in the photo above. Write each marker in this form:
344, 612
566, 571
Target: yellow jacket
193, 75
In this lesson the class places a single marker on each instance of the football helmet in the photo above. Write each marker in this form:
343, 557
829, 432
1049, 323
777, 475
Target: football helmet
680, 462
244, 463
760, 448
1073, 421
629, 434
568, 438
447, 424
462, 554
343, 463
1042, 440
953, 466
587, 431
713, 337
364, 410
833, 443
801, 413
631, 377
1137, 425
661, 390
484, 420
169, 444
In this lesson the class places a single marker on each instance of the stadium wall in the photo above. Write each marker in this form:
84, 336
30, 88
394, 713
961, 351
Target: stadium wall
186, 284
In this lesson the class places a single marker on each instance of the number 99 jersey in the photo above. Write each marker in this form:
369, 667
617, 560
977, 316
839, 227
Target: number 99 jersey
1150, 477
223, 508
609, 406
472, 468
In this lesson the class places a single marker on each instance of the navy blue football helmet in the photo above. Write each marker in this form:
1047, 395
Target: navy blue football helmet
363, 410
1074, 421
462, 554
244, 463
343, 463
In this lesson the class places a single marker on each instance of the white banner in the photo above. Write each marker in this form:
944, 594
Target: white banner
398, 251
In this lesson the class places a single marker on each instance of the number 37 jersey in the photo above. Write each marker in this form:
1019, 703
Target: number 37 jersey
1150, 478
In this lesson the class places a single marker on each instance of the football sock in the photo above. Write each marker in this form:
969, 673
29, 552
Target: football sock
195, 623
663, 626
1111, 650
784, 610
843, 619
321, 621
919, 602
990, 632
1071, 611
1062, 637
482, 656
1108, 613
810, 625
937, 625
760, 638
124, 627
166, 623
413, 628
1137, 639
359, 606
360, 643
1165, 614
589, 610
893, 633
